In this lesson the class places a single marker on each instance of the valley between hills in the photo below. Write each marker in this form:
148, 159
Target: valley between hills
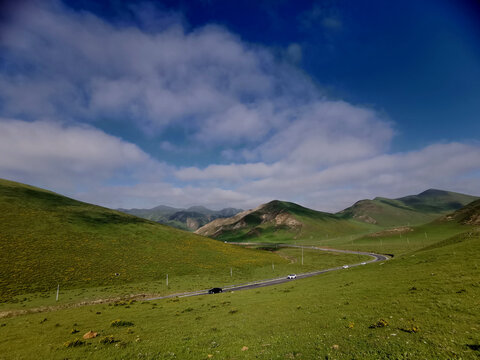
420, 304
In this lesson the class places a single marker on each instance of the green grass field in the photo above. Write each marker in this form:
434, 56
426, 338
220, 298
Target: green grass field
420, 305
396, 244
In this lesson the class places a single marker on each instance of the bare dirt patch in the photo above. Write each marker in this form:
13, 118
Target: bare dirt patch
393, 231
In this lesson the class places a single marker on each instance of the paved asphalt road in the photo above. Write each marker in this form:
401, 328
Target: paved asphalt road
270, 282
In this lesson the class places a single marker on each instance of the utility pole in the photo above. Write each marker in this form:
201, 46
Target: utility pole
273, 266
167, 280
302, 255
231, 272
58, 290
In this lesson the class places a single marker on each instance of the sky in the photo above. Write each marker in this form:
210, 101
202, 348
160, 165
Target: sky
233, 104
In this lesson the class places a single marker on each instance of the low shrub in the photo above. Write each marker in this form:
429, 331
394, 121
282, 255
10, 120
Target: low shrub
411, 329
118, 323
379, 324
74, 343
109, 339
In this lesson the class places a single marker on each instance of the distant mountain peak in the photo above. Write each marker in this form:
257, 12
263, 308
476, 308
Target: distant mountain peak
199, 208
186, 219
433, 192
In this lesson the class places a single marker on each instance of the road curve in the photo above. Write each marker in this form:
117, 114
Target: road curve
275, 281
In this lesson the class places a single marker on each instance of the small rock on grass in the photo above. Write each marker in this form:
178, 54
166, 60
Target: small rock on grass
90, 335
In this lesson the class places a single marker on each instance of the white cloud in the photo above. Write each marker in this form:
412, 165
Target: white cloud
82, 66
328, 132
207, 81
451, 166
145, 195
68, 157
231, 172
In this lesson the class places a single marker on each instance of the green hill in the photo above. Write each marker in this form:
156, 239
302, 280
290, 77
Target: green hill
280, 221
408, 210
48, 239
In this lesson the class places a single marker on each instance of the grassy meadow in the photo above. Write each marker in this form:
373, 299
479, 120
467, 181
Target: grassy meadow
395, 241
419, 305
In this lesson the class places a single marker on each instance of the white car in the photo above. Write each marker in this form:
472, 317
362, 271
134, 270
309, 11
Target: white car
364, 263
345, 266
292, 276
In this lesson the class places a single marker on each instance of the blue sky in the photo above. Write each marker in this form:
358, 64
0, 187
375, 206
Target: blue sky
219, 103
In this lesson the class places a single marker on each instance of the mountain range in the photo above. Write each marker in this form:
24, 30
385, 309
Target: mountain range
186, 219
283, 221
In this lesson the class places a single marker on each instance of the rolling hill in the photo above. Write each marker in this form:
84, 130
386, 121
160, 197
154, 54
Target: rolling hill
280, 221
48, 239
408, 210
186, 219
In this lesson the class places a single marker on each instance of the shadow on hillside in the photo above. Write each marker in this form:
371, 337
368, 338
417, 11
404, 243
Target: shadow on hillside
95, 219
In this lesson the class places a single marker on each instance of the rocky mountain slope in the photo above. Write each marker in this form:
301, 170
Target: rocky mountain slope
279, 220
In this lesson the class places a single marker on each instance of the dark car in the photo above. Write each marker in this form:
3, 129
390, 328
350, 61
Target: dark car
215, 290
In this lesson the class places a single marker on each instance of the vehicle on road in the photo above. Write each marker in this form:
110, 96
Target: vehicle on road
215, 290
292, 276
345, 266
364, 263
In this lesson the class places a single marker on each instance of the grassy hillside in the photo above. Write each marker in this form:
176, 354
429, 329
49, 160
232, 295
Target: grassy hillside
406, 239
468, 215
408, 210
48, 239
420, 305
281, 221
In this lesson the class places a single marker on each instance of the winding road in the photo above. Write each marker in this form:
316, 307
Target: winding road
238, 287
283, 279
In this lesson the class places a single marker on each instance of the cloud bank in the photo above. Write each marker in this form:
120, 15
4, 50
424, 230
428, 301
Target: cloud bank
268, 131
